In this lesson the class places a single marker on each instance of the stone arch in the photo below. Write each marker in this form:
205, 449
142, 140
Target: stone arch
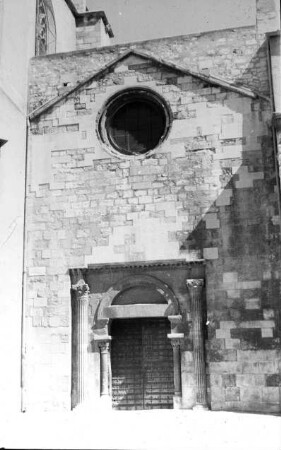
107, 311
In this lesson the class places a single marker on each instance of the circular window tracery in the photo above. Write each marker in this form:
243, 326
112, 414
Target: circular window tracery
134, 121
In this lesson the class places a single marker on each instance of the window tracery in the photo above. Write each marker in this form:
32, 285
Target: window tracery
45, 28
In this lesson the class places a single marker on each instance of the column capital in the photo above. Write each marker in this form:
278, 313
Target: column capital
81, 288
103, 344
195, 283
176, 342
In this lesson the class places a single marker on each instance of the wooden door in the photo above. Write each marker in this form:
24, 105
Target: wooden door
142, 364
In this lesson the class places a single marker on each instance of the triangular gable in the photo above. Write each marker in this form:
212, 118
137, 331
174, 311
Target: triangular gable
213, 81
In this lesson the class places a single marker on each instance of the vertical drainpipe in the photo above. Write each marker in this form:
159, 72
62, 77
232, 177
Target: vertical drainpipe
274, 63
274, 53
23, 341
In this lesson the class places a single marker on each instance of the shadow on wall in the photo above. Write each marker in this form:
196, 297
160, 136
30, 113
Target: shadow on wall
242, 226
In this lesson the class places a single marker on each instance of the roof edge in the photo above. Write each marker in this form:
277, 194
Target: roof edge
243, 90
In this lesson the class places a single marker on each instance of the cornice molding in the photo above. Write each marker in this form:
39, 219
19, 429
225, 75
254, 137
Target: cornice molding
86, 18
142, 264
212, 80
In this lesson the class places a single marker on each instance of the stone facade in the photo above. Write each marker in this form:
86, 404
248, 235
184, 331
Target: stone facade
236, 55
207, 193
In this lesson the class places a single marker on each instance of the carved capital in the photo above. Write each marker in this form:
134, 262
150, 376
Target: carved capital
195, 283
176, 342
176, 339
104, 346
81, 288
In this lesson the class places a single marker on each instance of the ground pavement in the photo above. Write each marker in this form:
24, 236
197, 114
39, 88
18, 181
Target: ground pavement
155, 429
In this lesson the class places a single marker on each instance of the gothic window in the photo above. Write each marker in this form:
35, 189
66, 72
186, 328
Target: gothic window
134, 122
45, 28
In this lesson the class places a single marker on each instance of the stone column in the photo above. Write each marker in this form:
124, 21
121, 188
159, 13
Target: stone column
80, 300
176, 338
104, 346
176, 342
104, 354
195, 290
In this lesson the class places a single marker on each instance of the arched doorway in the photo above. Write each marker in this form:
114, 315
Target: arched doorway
139, 316
103, 296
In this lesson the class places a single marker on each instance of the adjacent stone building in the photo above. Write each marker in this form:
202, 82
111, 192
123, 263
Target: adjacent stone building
152, 230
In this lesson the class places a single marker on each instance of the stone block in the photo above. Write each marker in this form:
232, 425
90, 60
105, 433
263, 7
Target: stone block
40, 301
230, 278
270, 394
273, 380
223, 333
232, 344
257, 324
216, 380
54, 321
252, 303
228, 380
249, 284
257, 355
267, 333
210, 253
249, 379
268, 313
246, 178
36, 271
233, 293
251, 394
229, 324
217, 394
232, 394
226, 367
212, 221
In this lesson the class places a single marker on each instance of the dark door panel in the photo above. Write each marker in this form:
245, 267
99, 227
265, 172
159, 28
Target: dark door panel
142, 364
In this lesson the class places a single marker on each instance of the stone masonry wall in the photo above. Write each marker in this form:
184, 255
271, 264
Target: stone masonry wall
208, 191
237, 55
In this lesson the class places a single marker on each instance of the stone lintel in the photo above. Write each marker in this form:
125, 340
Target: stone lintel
176, 321
133, 311
174, 336
103, 339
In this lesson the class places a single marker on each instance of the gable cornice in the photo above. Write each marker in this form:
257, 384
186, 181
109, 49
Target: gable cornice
215, 81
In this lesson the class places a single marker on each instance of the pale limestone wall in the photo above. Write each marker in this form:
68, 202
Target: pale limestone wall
207, 191
92, 36
267, 16
105, 39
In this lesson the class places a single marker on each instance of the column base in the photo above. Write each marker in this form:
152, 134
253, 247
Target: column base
199, 407
177, 402
81, 407
105, 402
